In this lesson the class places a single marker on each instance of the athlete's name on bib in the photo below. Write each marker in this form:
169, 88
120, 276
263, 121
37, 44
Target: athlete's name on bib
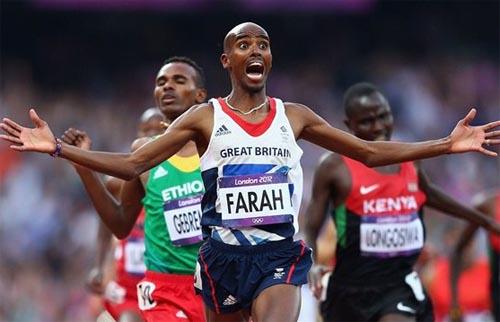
187, 222
134, 256
252, 201
255, 151
182, 190
183, 219
390, 236
384, 205
258, 199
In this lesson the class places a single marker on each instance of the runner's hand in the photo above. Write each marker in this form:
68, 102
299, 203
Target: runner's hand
77, 138
315, 274
38, 139
94, 281
465, 138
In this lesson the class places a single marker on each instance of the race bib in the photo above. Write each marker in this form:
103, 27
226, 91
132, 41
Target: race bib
114, 292
258, 199
134, 256
145, 299
391, 236
183, 219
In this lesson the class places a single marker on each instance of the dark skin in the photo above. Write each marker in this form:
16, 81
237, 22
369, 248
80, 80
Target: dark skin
370, 119
196, 125
175, 91
248, 60
95, 278
151, 124
485, 203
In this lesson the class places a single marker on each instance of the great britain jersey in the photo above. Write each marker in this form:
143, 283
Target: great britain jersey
173, 215
252, 177
380, 231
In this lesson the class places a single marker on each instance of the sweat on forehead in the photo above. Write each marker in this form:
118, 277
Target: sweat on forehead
249, 28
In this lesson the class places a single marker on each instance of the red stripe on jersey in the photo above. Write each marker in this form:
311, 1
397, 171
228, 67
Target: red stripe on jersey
253, 129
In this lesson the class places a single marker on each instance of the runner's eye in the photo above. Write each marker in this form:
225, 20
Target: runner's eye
243, 45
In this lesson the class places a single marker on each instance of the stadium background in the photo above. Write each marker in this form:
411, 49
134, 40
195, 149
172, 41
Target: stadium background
91, 64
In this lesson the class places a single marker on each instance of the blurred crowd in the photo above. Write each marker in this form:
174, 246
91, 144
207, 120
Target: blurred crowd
48, 226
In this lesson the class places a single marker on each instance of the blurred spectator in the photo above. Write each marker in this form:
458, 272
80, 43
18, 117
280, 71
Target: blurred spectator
94, 71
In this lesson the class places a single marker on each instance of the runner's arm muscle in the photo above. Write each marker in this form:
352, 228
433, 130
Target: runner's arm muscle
117, 206
311, 127
192, 125
320, 198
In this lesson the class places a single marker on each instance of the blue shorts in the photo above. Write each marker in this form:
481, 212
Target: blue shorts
233, 276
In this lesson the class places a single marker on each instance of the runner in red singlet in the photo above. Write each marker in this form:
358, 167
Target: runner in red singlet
120, 294
378, 215
247, 58
488, 203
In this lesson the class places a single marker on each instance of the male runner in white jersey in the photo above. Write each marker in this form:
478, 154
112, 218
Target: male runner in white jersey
247, 57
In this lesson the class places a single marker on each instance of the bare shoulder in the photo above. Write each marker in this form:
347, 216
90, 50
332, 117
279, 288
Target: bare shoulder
296, 108
330, 163
113, 185
200, 110
197, 117
331, 160
139, 142
485, 201
300, 117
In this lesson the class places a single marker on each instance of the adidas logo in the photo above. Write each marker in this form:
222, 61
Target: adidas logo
283, 129
279, 274
223, 130
160, 172
230, 300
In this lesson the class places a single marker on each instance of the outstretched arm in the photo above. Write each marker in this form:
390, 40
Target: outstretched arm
438, 199
187, 127
464, 138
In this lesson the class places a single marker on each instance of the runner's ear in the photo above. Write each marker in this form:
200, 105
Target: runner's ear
201, 95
